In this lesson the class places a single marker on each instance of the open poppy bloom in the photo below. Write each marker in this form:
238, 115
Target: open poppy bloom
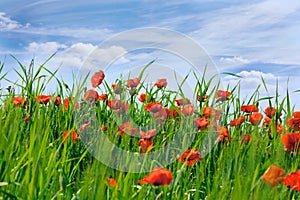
131, 83
188, 110
146, 145
270, 112
127, 128
142, 98
112, 182
74, 135
291, 141
153, 107
256, 118
273, 176
91, 95
102, 97
238, 121
201, 123
296, 114
161, 83
222, 95
97, 78
42, 99
18, 101
181, 102
148, 135
249, 108
159, 176
293, 180
189, 157
294, 123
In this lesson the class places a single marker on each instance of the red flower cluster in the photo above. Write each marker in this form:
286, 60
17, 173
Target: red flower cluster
74, 136
189, 157
159, 176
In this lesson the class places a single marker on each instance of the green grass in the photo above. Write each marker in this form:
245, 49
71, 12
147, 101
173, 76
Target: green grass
36, 164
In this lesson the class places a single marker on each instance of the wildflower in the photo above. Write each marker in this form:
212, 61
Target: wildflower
159, 176
131, 83
160, 116
188, 110
173, 112
97, 78
84, 126
201, 123
153, 107
91, 95
249, 108
246, 138
273, 176
56, 100
67, 103
114, 104
73, 134
148, 135
112, 182
294, 123
161, 83
267, 121
291, 141
116, 88
202, 98
296, 114
102, 97
189, 157
127, 128
181, 102
238, 121
255, 118
123, 108
223, 134
211, 112
42, 99
18, 101
222, 95
142, 98
270, 112
146, 145
293, 180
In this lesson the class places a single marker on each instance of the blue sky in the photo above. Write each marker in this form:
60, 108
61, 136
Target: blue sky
250, 38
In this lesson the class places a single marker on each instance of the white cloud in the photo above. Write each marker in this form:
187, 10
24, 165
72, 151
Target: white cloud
47, 47
236, 60
8, 24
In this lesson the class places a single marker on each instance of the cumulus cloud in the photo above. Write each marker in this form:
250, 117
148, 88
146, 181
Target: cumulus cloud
7, 24
47, 47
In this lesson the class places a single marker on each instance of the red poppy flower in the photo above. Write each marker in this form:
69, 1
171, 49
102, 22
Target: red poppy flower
146, 145
173, 112
159, 176
273, 176
84, 126
148, 135
238, 121
223, 134
112, 182
181, 102
153, 107
270, 113
211, 112
189, 157
291, 141
222, 95
188, 110
255, 118
42, 99
97, 78
73, 134
246, 138
131, 83
161, 83
142, 98
267, 121
294, 123
202, 98
56, 100
293, 180
18, 101
114, 104
91, 95
160, 116
201, 123
296, 114
67, 103
102, 97
249, 108
127, 128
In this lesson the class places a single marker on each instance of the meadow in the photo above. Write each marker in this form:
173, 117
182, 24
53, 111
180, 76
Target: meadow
223, 146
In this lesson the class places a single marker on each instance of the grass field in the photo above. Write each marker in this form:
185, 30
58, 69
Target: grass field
43, 154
